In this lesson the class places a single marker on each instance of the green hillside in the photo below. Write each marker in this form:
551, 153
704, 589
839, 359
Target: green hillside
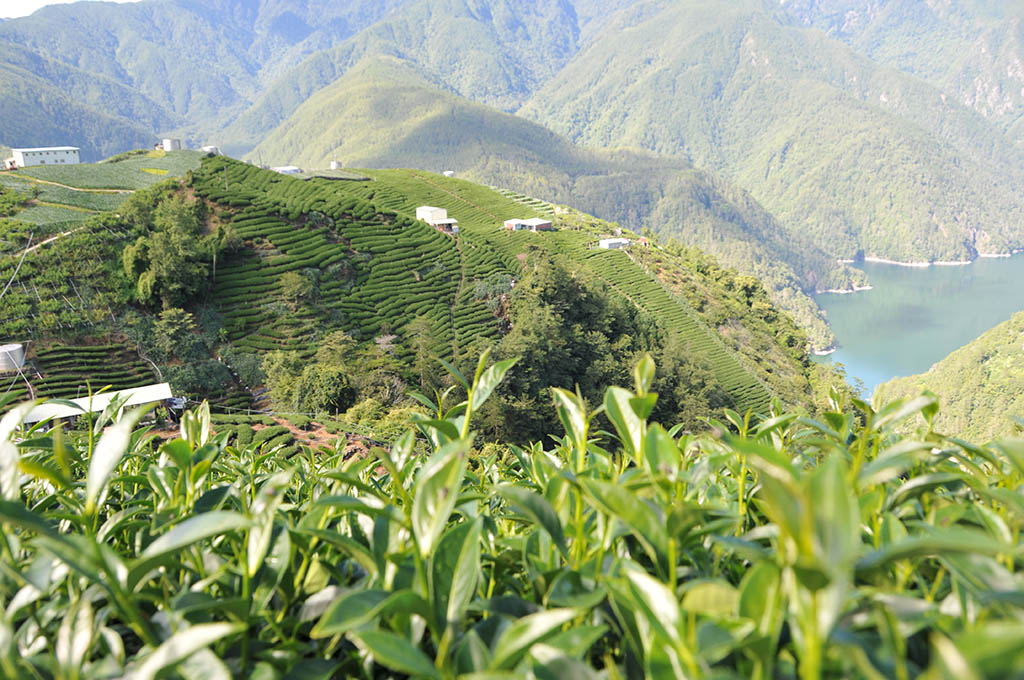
980, 386
351, 121
859, 157
66, 296
480, 212
396, 295
269, 276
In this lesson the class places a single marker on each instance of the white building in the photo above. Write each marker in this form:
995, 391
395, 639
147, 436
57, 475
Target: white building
532, 224
44, 155
613, 243
171, 144
437, 218
288, 170
210, 148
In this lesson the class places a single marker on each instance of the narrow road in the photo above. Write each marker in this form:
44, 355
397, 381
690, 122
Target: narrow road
29, 178
52, 239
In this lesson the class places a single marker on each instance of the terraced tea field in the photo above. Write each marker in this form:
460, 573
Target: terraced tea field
376, 270
68, 372
380, 268
481, 211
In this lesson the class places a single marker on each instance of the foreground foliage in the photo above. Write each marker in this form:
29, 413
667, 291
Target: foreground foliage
790, 547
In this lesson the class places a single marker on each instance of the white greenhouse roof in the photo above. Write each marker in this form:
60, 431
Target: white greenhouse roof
146, 394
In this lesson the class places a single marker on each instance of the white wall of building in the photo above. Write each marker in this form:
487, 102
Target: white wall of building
430, 214
50, 155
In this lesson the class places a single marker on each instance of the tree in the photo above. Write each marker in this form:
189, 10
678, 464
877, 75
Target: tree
296, 288
283, 370
172, 332
170, 262
323, 389
567, 331
423, 341
338, 348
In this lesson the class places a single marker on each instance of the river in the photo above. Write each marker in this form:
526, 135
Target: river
914, 316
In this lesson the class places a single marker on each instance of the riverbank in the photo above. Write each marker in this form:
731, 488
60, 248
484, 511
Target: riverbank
922, 265
844, 291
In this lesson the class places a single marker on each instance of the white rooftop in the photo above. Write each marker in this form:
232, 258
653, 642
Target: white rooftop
445, 221
48, 148
535, 221
146, 394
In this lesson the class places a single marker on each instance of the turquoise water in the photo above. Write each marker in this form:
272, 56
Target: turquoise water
913, 317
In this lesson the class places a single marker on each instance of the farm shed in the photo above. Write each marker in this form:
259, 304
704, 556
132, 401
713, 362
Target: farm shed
44, 155
613, 243
171, 144
532, 224
288, 170
437, 218
146, 395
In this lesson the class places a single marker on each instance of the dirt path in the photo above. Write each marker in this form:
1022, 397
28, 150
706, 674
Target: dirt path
455, 195
52, 239
64, 206
29, 178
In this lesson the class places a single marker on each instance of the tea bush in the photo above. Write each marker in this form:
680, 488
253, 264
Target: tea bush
782, 547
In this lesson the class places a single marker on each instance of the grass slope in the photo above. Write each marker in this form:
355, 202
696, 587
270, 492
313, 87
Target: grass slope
980, 385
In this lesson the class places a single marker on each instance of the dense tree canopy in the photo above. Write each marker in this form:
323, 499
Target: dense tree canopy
572, 333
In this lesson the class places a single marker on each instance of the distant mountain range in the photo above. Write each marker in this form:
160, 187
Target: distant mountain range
780, 137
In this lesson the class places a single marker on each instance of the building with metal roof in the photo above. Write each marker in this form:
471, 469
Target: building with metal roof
137, 396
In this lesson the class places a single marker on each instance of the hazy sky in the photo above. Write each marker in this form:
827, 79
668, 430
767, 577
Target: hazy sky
20, 8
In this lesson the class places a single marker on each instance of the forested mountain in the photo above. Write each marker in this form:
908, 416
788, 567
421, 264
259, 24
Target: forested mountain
191, 64
496, 52
861, 157
980, 386
971, 49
